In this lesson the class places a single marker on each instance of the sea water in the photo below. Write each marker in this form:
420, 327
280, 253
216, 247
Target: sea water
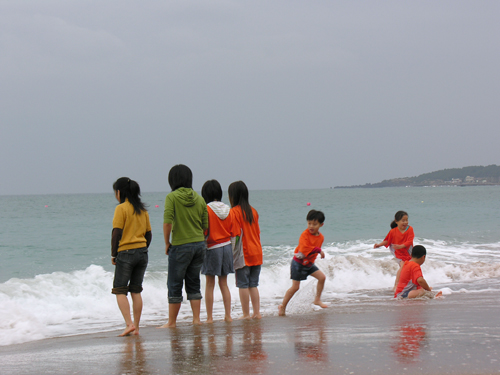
56, 273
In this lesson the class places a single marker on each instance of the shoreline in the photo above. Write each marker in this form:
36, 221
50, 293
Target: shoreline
458, 334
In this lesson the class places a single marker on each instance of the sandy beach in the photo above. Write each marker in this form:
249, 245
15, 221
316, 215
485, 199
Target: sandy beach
459, 334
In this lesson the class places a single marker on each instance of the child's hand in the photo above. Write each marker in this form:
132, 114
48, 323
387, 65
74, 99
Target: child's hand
113, 261
376, 246
322, 254
167, 247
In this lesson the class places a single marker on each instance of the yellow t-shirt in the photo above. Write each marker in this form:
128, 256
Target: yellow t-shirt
134, 226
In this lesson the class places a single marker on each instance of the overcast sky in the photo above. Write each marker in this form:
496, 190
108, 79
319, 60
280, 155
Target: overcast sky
280, 94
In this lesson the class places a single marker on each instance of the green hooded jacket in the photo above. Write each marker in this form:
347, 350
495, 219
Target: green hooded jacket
187, 212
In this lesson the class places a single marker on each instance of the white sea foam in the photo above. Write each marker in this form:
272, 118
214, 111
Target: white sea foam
60, 303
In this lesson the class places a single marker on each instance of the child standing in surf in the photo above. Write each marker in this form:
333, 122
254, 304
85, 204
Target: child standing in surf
130, 240
399, 240
219, 256
302, 265
247, 249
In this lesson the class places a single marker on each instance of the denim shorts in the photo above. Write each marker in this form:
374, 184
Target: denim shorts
248, 277
129, 271
218, 261
184, 264
298, 272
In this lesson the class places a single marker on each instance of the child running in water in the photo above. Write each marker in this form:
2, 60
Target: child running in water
185, 218
400, 239
130, 240
247, 249
302, 265
219, 256
412, 283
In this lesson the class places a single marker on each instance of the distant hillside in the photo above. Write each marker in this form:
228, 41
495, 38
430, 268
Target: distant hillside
467, 176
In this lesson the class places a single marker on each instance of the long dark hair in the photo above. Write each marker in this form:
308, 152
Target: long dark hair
399, 215
238, 196
129, 189
180, 176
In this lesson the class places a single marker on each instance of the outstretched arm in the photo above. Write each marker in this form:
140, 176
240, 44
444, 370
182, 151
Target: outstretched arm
383, 243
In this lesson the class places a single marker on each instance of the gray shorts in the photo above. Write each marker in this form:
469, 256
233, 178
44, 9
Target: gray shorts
248, 277
298, 272
218, 261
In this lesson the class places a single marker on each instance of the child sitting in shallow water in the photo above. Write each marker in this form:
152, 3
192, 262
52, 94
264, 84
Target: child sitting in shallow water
411, 282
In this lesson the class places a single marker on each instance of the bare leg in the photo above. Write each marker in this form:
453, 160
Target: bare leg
209, 297
320, 276
397, 276
196, 307
173, 311
124, 307
226, 297
255, 297
137, 308
245, 302
288, 296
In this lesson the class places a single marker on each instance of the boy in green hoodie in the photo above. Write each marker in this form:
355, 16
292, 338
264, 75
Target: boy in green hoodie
184, 220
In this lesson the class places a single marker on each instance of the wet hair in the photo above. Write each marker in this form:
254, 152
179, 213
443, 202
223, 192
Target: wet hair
180, 176
316, 215
399, 215
211, 191
129, 189
418, 251
238, 196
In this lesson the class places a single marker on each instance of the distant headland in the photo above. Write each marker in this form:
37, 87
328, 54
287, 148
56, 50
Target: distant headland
467, 176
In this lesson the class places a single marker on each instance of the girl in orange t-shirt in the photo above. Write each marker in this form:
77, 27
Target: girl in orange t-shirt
247, 249
219, 256
400, 239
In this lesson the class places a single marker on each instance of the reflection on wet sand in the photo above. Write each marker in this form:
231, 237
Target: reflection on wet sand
134, 357
411, 332
311, 342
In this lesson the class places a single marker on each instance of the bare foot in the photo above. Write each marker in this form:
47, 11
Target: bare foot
136, 332
320, 304
281, 310
227, 318
257, 316
168, 325
130, 328
439, 294
209, 321
247, 317
197, 322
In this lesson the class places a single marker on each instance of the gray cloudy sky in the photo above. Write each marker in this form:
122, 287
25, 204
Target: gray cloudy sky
279, 94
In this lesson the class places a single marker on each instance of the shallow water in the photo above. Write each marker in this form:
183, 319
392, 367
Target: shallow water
56, 274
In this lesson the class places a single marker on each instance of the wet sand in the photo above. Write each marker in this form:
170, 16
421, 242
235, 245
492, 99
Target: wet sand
459, 334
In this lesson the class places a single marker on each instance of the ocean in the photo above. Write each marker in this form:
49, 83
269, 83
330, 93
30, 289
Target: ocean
56, 274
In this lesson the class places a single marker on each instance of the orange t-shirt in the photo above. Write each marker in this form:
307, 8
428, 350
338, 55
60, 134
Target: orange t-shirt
397, 238
252, 249
410, 273
219, 231
309, 245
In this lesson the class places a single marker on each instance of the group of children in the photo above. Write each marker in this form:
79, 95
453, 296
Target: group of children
203, 234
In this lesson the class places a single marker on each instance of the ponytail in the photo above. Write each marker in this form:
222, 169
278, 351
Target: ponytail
130, 190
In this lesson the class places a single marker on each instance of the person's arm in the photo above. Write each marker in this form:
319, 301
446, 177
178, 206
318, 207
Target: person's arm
167, 229
116, 236
148, 236
409, 238
421, 281
383, 243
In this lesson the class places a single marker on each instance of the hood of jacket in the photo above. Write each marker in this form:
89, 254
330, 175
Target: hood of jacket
220, 209
186, 196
